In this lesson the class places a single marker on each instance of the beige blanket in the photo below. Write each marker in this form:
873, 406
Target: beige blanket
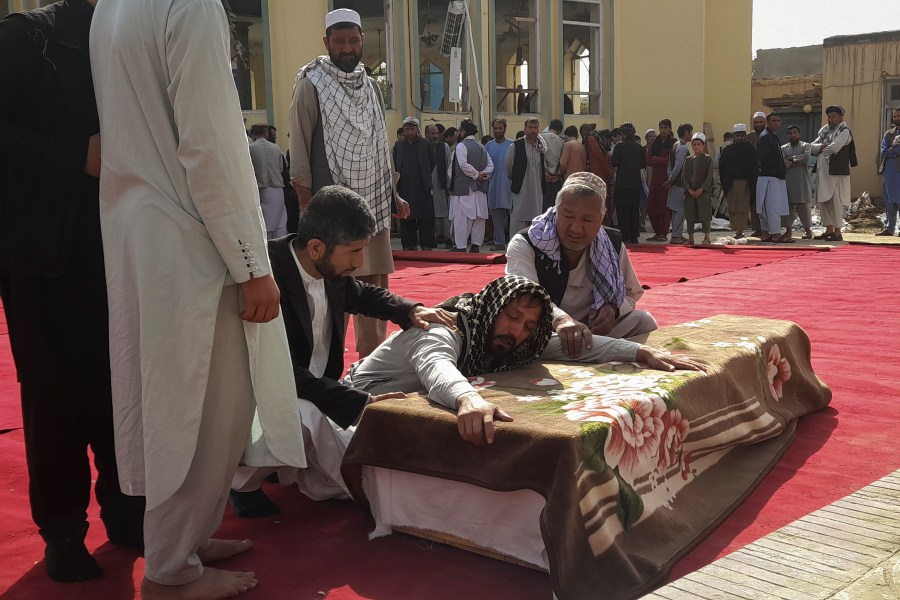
637, 466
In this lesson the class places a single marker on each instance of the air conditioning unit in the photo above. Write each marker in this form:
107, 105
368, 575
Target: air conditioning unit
453, 26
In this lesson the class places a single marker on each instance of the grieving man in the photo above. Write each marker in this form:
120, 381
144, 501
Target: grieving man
314, 271
504, 326
583, 265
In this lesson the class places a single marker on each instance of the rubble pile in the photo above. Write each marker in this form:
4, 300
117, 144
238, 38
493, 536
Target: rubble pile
865, 216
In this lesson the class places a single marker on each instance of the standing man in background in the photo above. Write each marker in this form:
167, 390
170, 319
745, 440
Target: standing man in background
552, 169
472, 167
738, 171
771, 189
574, 156
344, 141
500, 188
414, 162
268, 163
524, 164
837, 152
796, 160
628, 158
890, 169
440, 185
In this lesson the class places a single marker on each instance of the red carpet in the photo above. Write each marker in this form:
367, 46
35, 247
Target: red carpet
841, 298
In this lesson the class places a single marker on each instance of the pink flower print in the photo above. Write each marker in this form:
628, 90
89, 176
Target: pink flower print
675, 430
778, 370
592, 408
635, 432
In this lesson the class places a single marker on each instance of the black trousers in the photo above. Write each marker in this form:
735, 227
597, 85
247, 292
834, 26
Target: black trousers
550, 192
58, 331
628, 212
417, 232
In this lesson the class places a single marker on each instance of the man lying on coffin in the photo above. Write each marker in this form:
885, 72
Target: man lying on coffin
314, 272
506, 325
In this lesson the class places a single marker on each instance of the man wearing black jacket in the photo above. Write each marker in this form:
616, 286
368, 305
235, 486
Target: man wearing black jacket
628, 159
771, 188
738, 172
314, 271
53, 284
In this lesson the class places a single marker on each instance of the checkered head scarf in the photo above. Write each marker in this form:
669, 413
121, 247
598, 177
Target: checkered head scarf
355, 134
476, 315
605, 273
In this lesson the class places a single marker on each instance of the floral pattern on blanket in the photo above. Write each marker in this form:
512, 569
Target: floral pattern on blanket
635, 464
629, 424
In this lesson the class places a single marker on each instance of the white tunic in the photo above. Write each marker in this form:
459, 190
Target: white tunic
181, 219
831, 186
474, 204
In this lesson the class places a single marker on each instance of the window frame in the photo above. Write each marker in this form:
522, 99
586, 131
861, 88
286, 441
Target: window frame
596, 70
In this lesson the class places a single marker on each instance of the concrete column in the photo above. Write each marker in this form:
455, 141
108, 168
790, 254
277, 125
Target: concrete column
242, 73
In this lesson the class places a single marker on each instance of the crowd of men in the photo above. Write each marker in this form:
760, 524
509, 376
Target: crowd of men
197, 336
671, 181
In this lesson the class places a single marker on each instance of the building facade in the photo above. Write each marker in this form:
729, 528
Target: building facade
583, 61
859, 72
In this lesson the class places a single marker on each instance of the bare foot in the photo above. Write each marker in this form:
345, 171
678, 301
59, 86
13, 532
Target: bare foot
214, 584
222, 549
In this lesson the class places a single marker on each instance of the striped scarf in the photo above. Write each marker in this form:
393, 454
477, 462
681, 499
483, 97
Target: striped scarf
355, 134
605, 273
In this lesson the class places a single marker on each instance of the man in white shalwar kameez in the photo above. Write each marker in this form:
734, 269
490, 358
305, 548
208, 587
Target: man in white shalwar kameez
833, 145
468, 189
189, 286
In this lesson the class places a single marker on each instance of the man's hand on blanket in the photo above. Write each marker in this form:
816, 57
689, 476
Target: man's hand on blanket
573, 336
475, 418
421, 316
664, 361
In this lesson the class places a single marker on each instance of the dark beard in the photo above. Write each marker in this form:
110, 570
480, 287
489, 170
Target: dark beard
503, 352
346, 64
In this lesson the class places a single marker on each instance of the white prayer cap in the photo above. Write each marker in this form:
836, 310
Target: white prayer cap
649, 131
699, 136
759, 114
739, 128
342, 15
588, 179
410, 121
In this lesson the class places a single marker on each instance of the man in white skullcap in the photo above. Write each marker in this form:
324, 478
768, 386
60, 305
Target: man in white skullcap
759, 125
738, 172
837, 153
584, 267
344, 141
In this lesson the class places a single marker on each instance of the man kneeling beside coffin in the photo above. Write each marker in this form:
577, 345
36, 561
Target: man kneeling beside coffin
504, 326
